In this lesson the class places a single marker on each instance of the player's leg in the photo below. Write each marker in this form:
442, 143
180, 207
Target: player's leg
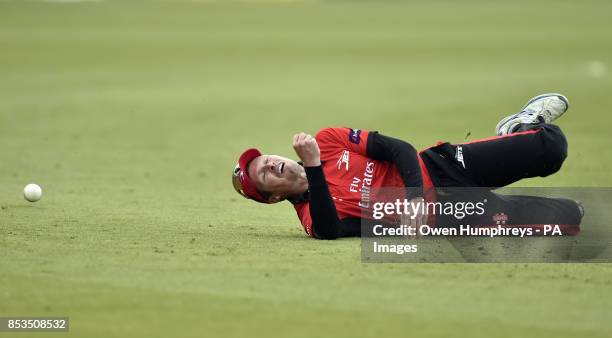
528, 147
532, 151
520, 210
534, 216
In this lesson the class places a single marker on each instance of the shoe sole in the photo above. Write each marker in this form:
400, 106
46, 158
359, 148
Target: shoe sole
532, 100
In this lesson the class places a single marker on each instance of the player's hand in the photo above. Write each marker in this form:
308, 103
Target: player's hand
415, 221
307, 149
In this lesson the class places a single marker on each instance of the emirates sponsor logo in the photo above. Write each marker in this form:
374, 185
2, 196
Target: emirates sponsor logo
364, 185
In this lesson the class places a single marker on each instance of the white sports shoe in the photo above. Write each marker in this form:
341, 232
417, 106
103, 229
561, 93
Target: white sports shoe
542, 108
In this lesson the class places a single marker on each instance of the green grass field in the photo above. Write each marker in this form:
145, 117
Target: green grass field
131, 115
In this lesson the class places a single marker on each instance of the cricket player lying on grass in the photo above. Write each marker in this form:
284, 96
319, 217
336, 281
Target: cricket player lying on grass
340, 166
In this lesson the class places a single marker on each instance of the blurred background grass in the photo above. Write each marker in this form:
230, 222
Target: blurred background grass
130, 115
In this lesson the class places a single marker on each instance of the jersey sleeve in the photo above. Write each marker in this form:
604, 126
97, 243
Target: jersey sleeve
303, 212
403, 156
347, 227
332, 139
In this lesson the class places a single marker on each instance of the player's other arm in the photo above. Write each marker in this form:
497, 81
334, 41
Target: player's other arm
403, 155
405, 158
325, 221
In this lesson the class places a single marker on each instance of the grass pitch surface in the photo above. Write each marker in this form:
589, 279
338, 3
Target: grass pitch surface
130, 115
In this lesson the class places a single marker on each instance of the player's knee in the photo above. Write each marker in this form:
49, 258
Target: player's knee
555, 156
555, 149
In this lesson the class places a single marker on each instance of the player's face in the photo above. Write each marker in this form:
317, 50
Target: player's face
277, 175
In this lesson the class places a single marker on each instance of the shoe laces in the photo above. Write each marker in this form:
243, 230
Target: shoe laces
529, 116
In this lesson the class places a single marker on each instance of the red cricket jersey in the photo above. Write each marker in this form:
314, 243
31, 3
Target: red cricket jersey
351, 175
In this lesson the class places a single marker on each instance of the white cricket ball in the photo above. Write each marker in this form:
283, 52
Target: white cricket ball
32, 192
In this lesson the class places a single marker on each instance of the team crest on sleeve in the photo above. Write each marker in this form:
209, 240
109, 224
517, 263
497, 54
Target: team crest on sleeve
355, 136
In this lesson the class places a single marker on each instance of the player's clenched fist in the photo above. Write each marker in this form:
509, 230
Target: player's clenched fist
307, 149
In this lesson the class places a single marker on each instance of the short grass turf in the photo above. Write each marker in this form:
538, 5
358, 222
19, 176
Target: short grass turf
131, 115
